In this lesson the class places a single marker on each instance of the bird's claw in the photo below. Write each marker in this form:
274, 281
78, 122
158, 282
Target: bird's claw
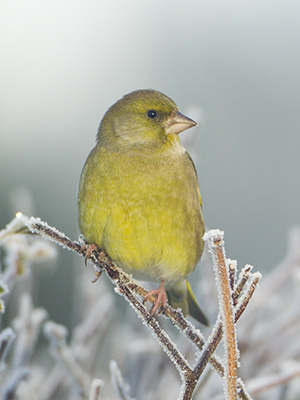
161, 298
87, 249
98, 273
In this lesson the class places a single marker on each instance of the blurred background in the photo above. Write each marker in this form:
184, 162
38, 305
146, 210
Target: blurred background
232, 65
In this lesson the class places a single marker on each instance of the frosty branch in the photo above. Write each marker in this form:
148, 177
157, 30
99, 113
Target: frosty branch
233, 298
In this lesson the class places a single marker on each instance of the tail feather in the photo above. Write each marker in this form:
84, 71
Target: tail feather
182, 296
194, 308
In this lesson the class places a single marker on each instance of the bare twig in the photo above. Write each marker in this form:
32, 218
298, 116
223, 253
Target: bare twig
286, 374
96, 388
8, 391
7, 336
121, 387
27, 327
240, 293
57, 334
215, 241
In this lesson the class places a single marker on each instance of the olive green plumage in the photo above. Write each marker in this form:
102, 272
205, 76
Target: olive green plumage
139, 198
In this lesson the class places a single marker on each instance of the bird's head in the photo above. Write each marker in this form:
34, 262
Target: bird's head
143, 117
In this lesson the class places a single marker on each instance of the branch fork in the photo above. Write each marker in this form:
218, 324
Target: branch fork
234, 296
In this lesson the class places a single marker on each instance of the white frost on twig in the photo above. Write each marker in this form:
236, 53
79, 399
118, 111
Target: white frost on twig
57, 334
27, 327
121, 387
7, 336
96, 387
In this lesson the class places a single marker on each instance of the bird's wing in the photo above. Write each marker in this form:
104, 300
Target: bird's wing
193, 165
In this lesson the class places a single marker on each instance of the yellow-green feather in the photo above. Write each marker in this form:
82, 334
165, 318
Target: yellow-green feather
182, 296
143, 210
139, 198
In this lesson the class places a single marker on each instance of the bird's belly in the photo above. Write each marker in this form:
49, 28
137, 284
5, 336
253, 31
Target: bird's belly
153, 241
149, 221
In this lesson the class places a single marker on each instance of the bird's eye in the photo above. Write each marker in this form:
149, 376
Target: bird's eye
152, 114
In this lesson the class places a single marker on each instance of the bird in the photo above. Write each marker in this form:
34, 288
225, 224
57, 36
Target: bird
139, 199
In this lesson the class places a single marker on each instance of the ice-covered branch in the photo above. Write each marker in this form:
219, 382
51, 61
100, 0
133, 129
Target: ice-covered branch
27, 327
96, 387
8, 391
121, 387
215, 240
234, 297
289, 371
6, 338
57, 335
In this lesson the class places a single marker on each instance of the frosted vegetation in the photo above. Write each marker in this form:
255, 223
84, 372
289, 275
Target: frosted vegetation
111, 355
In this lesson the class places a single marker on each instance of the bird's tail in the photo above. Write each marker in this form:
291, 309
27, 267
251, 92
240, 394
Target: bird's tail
186, 300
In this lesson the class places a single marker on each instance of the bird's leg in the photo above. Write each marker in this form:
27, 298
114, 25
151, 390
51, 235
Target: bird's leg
161, 298
98, 272
87, 249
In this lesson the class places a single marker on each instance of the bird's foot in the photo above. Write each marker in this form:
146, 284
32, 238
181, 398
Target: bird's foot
98, 271
161, 298
87, 249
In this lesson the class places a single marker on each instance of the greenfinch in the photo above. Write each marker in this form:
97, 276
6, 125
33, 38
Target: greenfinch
139, 199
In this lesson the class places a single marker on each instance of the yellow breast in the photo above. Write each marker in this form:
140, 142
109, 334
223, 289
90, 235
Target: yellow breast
144, 211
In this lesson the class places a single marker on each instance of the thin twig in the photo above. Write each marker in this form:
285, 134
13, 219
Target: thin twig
259, 385
216, 247
120, 279
129, 289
